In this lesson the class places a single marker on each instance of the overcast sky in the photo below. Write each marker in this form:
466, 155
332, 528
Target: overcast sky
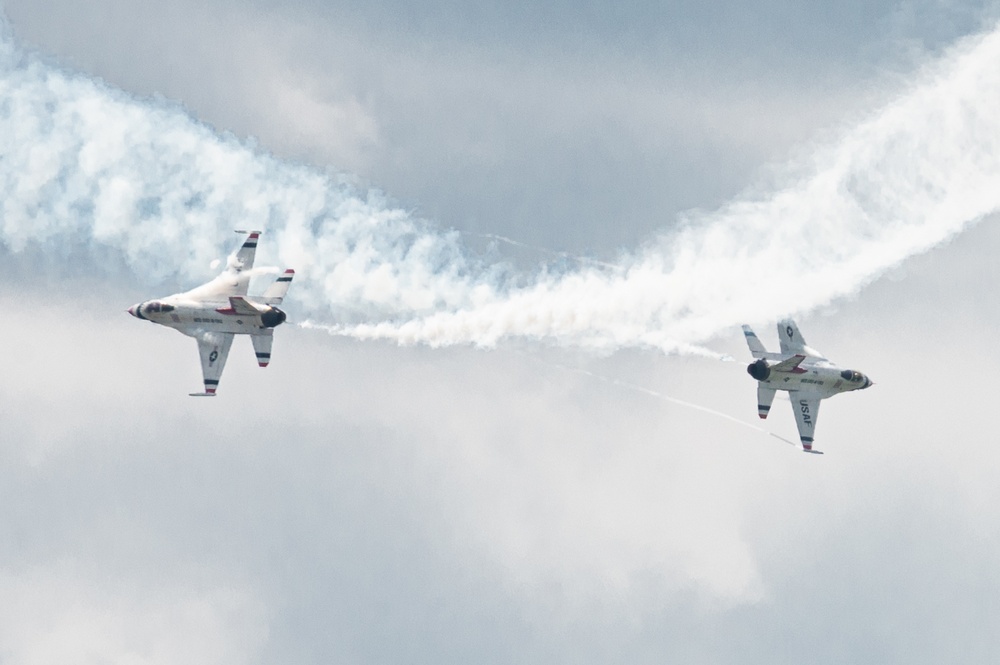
363, 502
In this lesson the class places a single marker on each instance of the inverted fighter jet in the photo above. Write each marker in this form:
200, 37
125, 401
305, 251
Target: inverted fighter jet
215, 312
803, 372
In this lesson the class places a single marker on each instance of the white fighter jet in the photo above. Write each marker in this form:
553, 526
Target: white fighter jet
215, 312
804, 373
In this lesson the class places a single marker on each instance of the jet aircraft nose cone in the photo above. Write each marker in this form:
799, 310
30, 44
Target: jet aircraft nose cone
131, 310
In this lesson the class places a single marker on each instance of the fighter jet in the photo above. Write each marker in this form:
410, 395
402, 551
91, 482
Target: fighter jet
216, 311
803, 372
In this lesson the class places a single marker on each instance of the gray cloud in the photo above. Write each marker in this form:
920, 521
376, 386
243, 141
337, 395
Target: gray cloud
493, 117
361, 502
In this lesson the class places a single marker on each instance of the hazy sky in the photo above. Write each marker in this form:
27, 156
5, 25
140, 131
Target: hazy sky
363, 502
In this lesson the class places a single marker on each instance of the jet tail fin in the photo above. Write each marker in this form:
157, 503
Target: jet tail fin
757, 349
276, 292
245, 254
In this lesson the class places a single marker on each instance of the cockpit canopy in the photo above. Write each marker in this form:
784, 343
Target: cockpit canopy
852, 375
155, 307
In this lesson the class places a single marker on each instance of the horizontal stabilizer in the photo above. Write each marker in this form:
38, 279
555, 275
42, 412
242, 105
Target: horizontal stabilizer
765, 396
262, 346
276, 292
201, 394
814, 452
757, 349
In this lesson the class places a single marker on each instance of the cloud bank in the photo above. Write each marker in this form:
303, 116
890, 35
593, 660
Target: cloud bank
90, 168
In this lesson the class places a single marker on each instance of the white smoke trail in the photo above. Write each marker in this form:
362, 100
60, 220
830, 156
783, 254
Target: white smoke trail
915, 173
87, 168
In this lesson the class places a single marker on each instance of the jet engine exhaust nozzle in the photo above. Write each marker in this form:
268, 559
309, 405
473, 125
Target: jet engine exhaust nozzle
272, 318
759, 370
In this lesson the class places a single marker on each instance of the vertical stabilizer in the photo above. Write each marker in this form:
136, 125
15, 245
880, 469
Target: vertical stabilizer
246, 253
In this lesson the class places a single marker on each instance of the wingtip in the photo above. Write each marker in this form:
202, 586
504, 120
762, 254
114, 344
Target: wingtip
807, 446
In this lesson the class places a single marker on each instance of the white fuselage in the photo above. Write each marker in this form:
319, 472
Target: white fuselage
813, 375
191, 317
207, 308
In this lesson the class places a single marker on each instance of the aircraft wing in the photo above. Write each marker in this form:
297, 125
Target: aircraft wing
806, 408
213, 347
792, 341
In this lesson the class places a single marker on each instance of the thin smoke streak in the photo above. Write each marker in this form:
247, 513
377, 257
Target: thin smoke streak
674, 400
552, 252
